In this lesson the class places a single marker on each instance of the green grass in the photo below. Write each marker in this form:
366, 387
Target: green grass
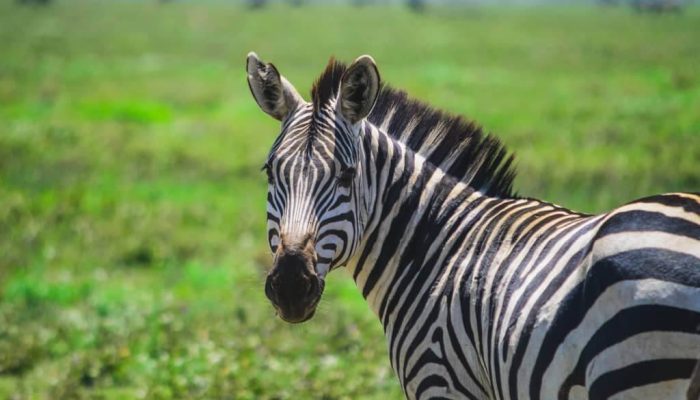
132, 243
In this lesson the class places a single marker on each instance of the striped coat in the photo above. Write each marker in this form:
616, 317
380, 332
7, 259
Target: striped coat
482, 294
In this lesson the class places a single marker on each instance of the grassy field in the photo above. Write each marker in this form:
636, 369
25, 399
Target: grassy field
132, 244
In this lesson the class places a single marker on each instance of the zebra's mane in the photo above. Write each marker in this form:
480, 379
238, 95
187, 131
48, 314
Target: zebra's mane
450, 142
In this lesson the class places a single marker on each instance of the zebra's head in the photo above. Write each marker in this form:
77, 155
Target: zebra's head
315, 212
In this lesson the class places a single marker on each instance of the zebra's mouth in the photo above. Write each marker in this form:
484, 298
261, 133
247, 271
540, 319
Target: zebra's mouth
294, 315
295, 320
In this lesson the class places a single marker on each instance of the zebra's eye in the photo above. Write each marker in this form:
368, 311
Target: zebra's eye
345, 177
268, 171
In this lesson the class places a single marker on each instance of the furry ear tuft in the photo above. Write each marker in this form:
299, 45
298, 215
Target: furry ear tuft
273, 93
359, 88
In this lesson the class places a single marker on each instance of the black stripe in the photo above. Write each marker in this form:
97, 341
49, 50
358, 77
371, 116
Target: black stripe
639, 374
623, 325
430, 382
672, 200
640, 221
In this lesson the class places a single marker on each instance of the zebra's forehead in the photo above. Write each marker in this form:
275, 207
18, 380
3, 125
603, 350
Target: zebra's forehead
313, 135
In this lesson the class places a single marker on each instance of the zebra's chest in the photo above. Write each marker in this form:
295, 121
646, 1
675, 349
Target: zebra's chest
448, 345
433, 351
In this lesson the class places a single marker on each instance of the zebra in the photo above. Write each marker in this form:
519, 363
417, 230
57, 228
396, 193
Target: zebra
482, 293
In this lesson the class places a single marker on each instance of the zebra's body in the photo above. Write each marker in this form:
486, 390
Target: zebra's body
450, 297
481, 294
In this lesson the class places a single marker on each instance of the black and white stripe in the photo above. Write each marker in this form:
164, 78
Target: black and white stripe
483, 294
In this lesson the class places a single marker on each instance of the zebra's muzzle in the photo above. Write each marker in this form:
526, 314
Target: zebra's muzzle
293, 286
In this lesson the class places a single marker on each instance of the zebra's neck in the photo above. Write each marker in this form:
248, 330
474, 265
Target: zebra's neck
430, 239
408, 216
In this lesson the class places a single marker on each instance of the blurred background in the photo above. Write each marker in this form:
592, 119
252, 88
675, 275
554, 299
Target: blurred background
132, 206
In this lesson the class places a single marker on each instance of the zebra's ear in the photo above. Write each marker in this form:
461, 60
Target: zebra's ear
359, 88
273, 93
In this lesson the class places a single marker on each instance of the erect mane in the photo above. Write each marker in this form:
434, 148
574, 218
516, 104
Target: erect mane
450, 142
327, 85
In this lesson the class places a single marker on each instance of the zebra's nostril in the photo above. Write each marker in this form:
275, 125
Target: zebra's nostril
310, 289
